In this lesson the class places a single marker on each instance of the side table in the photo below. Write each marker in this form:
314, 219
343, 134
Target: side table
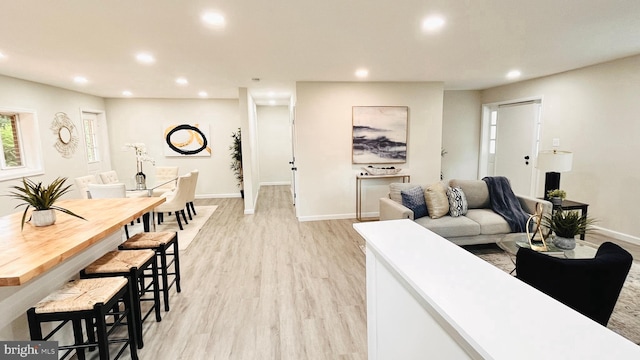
359, 178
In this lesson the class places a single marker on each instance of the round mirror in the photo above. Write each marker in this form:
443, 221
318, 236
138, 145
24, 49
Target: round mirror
64, 134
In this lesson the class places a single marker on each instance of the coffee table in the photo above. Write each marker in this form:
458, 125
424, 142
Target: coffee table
514, 241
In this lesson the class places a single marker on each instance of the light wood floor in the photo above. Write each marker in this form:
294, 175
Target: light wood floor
266, 286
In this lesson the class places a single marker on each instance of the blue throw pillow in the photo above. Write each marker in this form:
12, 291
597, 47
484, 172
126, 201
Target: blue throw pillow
414, 199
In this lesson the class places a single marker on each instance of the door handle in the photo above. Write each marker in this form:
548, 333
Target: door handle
294, 169
526, 160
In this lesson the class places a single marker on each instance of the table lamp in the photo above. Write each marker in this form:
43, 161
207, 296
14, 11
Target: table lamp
553, 162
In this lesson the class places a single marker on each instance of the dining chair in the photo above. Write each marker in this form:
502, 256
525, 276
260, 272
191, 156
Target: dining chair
163, 174
108, 191
176, 201
82, 182
109, 177
192, 193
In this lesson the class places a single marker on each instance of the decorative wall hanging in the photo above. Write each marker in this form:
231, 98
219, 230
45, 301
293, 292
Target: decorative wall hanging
379, 134
186, 140
66, 133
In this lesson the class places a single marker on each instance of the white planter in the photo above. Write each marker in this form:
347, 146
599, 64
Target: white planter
43, 217
564, 243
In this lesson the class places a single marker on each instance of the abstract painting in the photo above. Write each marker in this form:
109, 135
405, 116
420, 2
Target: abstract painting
186, 140
380, 134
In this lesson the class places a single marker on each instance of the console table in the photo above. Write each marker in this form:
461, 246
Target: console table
359, 178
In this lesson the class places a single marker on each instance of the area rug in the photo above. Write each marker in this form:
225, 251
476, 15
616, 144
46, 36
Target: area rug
625, 319
190, 230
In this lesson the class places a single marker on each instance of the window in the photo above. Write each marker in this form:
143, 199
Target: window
89, 122
21, 155
493, 129
11, 144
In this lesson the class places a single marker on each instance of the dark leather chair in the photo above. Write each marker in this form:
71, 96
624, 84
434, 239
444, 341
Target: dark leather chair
589, 286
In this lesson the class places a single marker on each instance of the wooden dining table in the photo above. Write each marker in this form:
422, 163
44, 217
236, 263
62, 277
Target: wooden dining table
31, 251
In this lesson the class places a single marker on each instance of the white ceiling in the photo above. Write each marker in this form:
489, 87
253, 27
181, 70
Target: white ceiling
284, 41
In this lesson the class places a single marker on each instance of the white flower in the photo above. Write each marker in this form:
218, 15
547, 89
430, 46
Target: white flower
141, 152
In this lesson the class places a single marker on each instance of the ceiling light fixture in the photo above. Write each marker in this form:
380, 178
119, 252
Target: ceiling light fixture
362, 73
80, 80
145, 58
182, 81
203, 94
2, 56
272, 102
127, 93
513, 74
433, 23
214, 19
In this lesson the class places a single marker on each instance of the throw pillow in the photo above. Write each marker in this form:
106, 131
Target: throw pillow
413, 198
396, 188
457, 202
437, 200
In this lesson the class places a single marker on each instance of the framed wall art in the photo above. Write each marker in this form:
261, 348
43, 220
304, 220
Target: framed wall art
186, 140
379, 134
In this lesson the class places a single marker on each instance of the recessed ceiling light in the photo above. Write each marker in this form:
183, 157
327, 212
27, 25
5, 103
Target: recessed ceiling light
272, 102
182, 81
513, 74
214, 19
433, 23
2, 56
362, 73
203, 94
80, 80
127, 93
271, 94
145, 58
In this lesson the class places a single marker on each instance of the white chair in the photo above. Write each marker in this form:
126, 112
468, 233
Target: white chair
175, 201
163, 174
82, 182
108, 191
192, 193
109, 177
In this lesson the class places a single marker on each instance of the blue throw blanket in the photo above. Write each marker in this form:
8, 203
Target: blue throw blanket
505, 203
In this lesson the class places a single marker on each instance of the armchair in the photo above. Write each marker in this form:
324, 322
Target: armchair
589, 286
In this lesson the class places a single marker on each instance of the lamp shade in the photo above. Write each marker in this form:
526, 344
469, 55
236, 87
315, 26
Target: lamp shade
554, 160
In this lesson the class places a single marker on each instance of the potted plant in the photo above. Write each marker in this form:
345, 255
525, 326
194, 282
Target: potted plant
566, 225
42, 199
236, 159
556, 196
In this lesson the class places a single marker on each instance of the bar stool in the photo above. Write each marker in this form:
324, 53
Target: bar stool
91, 300
159, 242
130, 264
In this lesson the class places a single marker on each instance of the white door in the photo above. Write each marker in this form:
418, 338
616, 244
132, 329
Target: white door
516, 144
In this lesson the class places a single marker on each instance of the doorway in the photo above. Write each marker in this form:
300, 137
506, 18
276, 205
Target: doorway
510, 142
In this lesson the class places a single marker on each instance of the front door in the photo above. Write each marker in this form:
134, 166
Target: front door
516, 144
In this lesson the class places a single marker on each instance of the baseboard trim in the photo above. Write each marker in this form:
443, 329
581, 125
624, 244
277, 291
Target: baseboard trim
275, 183
617, 235
336, 217
218, 196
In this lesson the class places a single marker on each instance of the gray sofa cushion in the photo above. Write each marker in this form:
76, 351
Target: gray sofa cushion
476, 191
396, 188
490, 222
448, 226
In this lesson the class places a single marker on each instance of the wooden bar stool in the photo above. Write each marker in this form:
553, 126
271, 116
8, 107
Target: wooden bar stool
92, 300
159, 242
132, 265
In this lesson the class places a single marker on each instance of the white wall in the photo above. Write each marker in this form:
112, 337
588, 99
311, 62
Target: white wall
326, 176
461, 124
274, 144
594, 112
142, 120
47, 101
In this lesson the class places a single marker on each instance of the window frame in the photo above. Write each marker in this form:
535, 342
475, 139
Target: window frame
30, 145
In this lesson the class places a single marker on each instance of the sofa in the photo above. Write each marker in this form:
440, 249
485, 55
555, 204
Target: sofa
478, 224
